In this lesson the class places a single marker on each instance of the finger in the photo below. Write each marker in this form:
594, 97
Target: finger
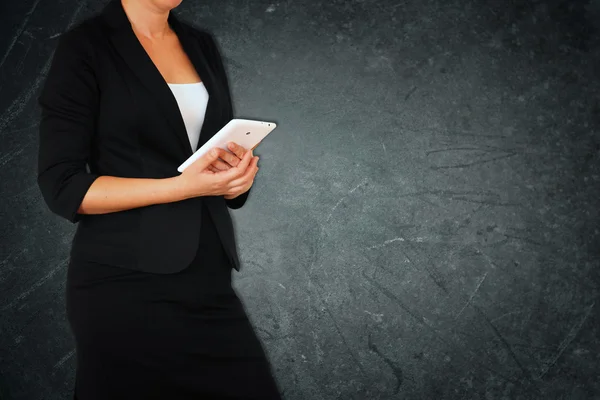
220, 165
244, 184
207, 159
248, 174
239, 170
228, 157
238, 150
247, 184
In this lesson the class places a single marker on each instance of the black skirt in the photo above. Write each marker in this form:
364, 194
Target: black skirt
175, 336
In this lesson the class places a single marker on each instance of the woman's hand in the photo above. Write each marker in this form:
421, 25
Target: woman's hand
227, 160
203, 178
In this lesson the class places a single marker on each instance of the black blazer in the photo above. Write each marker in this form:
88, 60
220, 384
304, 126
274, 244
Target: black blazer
106, 110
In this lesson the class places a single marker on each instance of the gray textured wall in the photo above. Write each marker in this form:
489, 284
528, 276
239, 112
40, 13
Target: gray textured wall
425, 221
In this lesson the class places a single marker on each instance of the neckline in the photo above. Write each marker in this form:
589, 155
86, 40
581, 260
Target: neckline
190, 83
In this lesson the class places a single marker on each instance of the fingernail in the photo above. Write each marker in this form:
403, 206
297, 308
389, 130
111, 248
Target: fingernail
230, 145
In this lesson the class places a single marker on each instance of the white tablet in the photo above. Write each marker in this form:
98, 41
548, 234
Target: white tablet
245, 132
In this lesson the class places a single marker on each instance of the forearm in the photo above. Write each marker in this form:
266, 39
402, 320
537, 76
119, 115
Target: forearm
110, 194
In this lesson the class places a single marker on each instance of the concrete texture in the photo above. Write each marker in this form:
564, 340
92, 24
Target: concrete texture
425, 221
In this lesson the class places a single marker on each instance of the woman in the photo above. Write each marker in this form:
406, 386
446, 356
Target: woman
130, 94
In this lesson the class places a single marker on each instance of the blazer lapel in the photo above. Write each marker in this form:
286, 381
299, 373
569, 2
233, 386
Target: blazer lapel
194, 52
132, 51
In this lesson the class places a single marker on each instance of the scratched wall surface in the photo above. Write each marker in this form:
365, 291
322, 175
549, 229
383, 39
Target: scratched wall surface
425, 221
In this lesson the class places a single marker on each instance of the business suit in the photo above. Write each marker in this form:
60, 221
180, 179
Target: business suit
149, 294
105, 103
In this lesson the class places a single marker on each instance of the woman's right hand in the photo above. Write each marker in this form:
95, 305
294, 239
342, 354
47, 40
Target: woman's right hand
198, 180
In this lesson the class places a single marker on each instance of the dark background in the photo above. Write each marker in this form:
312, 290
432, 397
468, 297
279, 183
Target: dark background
425, 221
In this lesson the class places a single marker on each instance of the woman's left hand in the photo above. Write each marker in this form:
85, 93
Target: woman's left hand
228, 160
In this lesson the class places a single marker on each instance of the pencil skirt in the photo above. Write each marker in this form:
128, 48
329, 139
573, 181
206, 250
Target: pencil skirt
178, 336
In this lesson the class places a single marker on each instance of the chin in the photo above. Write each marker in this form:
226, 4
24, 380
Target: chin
166, 4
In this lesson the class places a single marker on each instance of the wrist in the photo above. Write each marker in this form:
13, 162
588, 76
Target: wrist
180, 187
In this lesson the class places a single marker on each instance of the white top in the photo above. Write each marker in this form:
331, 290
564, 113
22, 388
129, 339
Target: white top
192, 99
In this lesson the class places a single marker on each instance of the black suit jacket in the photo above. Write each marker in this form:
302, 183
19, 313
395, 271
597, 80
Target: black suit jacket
106, 110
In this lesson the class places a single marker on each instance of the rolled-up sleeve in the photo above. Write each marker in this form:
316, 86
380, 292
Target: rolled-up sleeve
69, 103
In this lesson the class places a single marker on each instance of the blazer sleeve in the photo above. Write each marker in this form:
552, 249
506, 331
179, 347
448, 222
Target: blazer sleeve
215, 58
69, 103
